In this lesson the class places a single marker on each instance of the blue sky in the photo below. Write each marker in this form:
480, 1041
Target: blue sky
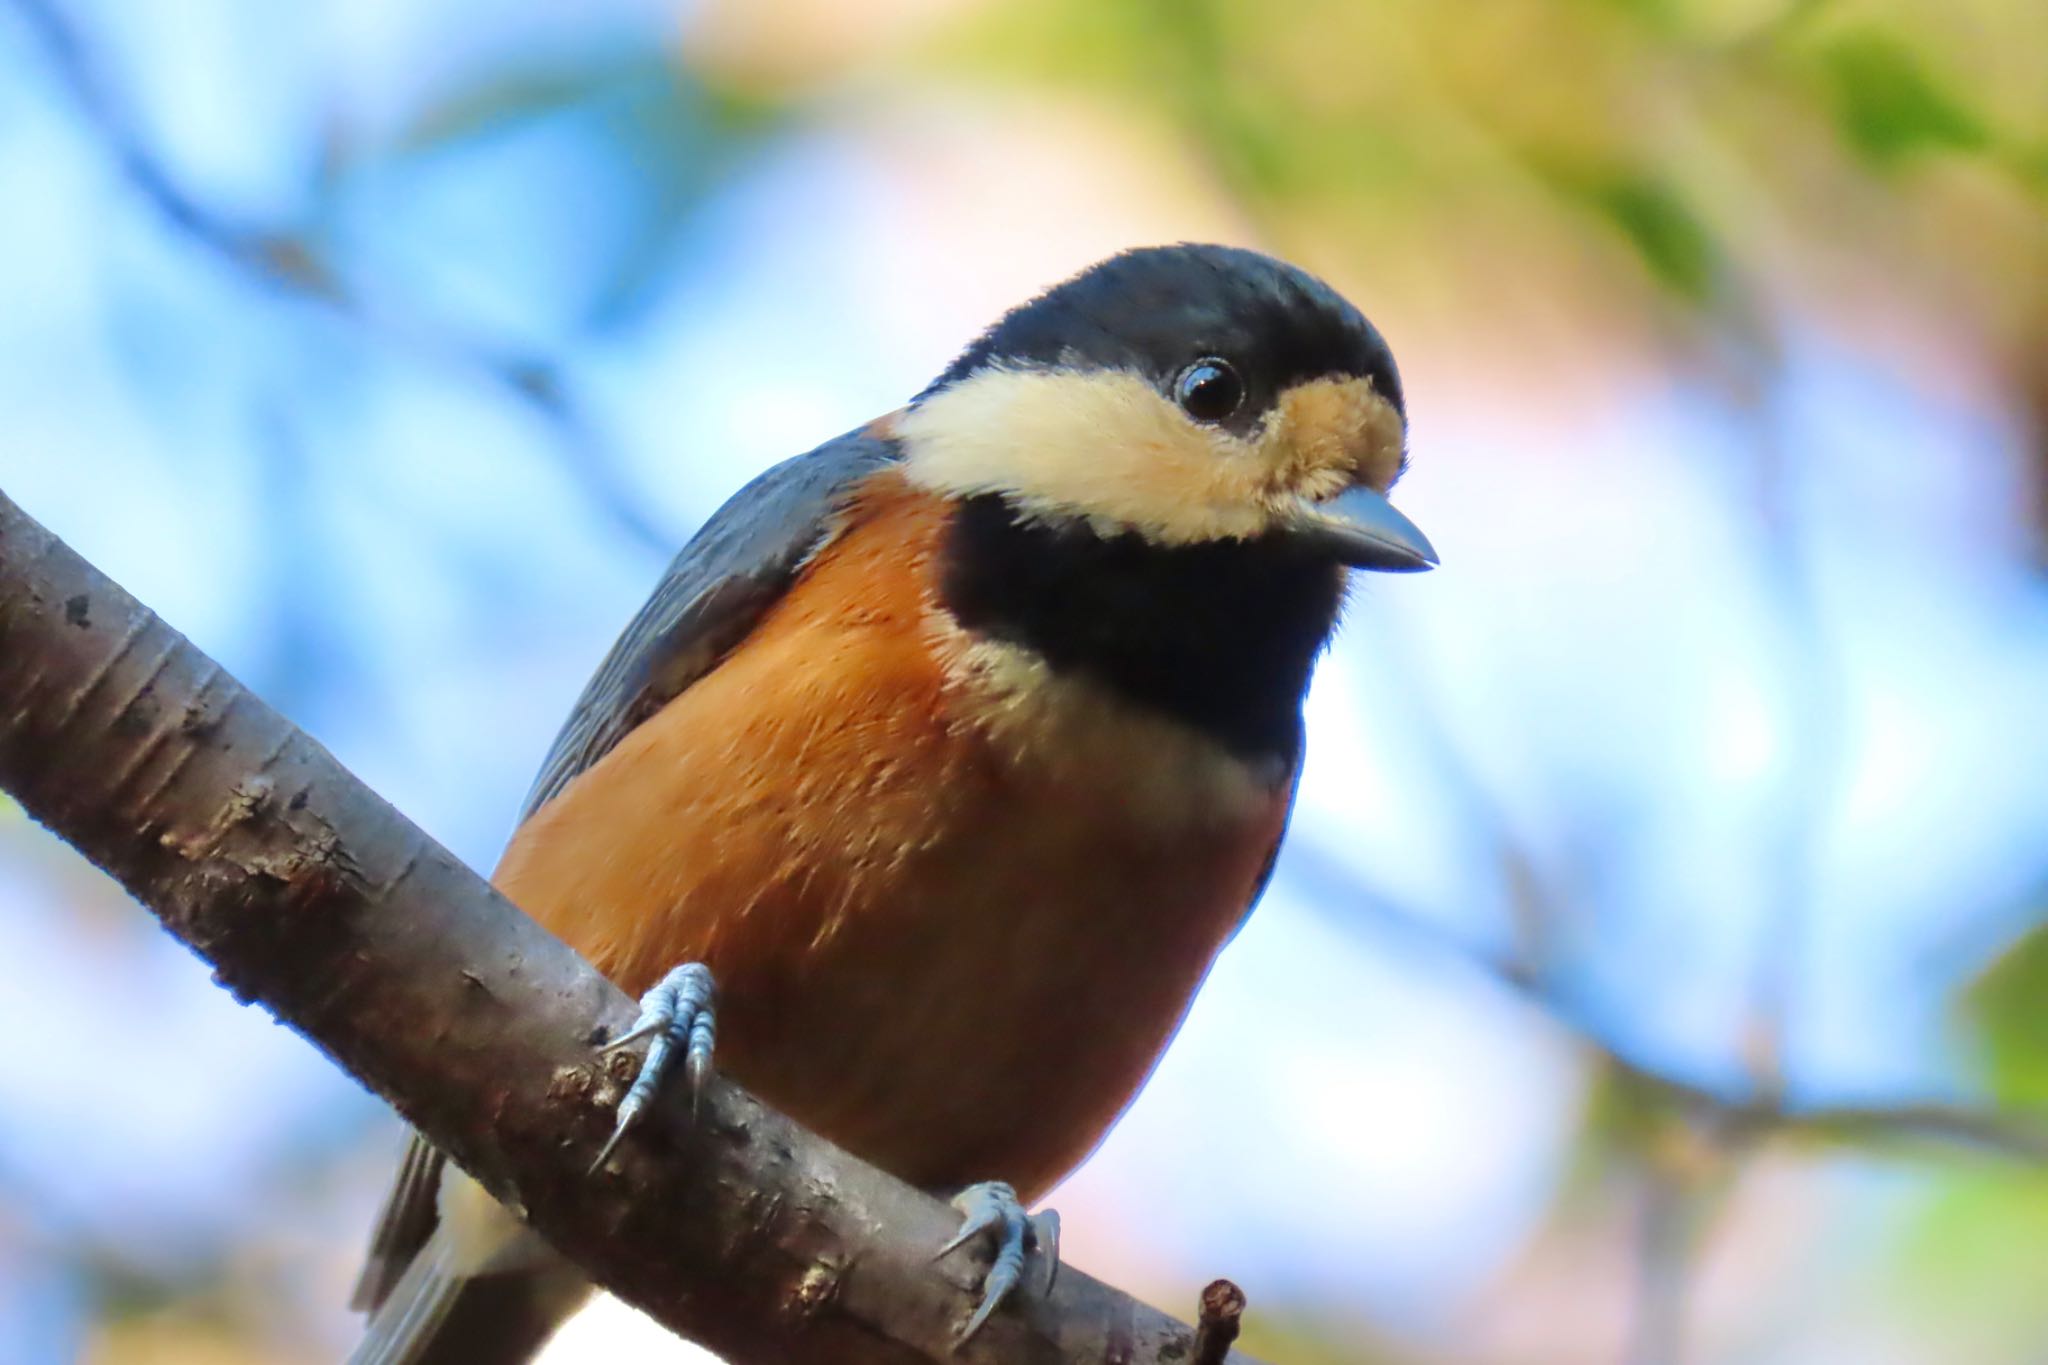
1851, 771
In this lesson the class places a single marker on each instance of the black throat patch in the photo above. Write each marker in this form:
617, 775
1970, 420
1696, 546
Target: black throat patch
1221, 635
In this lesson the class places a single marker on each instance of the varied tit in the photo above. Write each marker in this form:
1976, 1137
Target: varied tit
953, 751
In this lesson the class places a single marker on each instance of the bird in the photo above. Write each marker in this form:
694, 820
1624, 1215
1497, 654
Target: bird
945, 758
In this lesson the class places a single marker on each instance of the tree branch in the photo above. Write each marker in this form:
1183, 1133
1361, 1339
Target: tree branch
1758, 1111
309, 894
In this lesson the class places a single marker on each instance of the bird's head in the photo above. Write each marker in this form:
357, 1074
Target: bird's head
1186, 395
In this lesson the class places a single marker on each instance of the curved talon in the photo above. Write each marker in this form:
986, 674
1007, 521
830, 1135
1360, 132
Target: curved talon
646, 1027
680, 1009
992, 1207
981, 1208
1045, 1239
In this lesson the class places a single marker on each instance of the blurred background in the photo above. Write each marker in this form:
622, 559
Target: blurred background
1659, 968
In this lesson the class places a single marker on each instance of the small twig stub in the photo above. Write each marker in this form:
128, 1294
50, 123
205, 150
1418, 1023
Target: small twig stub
1217, 1324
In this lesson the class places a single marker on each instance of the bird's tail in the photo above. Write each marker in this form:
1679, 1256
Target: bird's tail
438, 1315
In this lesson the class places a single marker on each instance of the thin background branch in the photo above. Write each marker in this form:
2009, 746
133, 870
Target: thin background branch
1759, 1111
286, 262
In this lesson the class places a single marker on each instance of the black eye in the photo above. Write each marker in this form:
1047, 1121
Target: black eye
1208, 390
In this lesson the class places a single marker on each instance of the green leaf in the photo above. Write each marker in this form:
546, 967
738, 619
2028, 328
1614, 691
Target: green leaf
1660, 17
2009, 1006
1669, 237
1889, 106
1968, 1263
1672, 241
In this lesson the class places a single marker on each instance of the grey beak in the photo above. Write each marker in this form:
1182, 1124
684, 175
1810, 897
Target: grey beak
1360, 527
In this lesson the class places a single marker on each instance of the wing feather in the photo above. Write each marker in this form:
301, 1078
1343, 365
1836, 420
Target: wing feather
726, 578
731, 572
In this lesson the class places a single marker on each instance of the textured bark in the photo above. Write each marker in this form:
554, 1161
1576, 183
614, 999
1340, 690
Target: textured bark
310, 895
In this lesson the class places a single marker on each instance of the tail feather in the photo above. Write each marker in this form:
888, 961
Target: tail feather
404, 1327
437, 1314
403, 1225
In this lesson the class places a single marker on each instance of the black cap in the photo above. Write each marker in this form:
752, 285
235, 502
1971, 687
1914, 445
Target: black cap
1156, 310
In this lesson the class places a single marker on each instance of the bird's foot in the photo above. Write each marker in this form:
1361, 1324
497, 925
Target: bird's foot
991, 1209
681, 1011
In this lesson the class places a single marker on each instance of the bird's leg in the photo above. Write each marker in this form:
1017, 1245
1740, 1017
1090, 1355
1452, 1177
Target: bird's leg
991, 1209
681, 1011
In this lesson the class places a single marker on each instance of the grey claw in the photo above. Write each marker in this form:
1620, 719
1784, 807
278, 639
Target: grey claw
1045, 1240
995, 1287
611, 1144
647, 1027
682, 1008
697, 1054
992, 1207
981, 1209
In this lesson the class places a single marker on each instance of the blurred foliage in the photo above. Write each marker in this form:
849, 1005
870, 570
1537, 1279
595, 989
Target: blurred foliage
1889, 107
1972, 1261
1635, 113
177, 1339
1674, 244
1670, 167
2009, 1006
671, 136
1303, 1334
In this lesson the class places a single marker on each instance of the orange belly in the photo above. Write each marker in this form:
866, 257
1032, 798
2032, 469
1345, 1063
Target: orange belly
955, 911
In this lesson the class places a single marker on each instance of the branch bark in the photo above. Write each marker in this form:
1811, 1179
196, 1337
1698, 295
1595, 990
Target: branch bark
312, 896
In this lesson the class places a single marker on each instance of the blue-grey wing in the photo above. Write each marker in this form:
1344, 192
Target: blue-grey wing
736, 567
728, 576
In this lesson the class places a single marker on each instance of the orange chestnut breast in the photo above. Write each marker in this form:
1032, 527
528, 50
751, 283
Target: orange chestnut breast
956, 902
